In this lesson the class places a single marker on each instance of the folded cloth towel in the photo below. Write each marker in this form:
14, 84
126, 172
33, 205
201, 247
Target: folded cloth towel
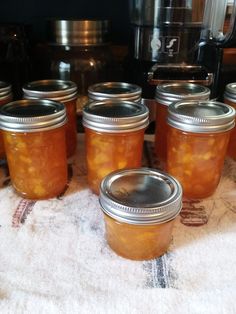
54, 257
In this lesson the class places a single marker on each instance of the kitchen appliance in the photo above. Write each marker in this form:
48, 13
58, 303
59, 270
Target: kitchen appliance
178, 40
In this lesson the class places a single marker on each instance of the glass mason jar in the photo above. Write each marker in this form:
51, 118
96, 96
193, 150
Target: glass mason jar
198, 135
80, 52
34, 138
165, 95
230, 99
64, 92
114, 90
5, 97
114, 135
140, 207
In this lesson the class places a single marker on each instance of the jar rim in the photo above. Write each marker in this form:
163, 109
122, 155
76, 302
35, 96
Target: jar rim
201, 116
115, 116
140, 196
114, 90
170, 92
32, 115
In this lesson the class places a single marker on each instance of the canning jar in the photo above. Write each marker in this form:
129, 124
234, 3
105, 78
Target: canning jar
230, 99
34, 138
198, 135
5, 97
114, 135
80, 52
165, 95
140, 207
64, 92
114, 90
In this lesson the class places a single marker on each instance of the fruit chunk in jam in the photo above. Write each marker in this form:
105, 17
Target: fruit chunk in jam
107, 152
196, 160
37, 162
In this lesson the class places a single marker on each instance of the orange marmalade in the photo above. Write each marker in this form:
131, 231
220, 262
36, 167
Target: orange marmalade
230, 99
198, 136
114, 135
64, 92
34, 138
140, 206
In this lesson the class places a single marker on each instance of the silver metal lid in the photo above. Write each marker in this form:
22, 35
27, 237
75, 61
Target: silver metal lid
5, 90
78, 32
58, 90
170, 92
230, 92
140, 196
32, 115
114, 90
201, 117
115, 116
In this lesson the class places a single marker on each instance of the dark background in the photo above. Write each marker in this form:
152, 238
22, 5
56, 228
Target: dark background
34, 13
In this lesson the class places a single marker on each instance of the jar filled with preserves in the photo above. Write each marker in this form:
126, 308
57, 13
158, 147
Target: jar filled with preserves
34, 138
140, 207
5, 97
165, 95
114, 90
198, 136
230, 99
114, 135
80, 52
64, 92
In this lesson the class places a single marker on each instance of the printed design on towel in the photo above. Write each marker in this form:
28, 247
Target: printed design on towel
160, 273
22, 211
193, 213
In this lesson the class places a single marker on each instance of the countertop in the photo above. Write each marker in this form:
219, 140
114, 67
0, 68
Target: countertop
54, 257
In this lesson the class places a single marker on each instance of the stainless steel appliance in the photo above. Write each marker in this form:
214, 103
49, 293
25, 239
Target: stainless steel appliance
178, 40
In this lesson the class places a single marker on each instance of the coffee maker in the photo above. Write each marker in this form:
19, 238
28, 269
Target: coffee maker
178, 41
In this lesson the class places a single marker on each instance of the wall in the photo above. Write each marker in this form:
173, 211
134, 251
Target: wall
35, 13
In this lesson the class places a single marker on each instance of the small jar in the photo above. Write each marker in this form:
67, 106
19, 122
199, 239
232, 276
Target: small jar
198, 136
140, 207
230, 99
165, 95
5, 97
34, 138
64, 92
114, 90
114, 134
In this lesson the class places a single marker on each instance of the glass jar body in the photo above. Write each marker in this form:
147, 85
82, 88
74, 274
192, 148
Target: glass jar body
3, 101
71, 127
196, 160
84, 65
106, 152
231, 151
37, 162
161, 133
138, 242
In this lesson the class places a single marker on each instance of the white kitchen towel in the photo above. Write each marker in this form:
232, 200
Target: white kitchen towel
54, 257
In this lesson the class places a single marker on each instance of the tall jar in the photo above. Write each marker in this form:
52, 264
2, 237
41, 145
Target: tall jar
5, 97
198, 136
114, 135
64, 92
34, 138
80, 52
230, 99
114, 90
140, 207
165, 95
